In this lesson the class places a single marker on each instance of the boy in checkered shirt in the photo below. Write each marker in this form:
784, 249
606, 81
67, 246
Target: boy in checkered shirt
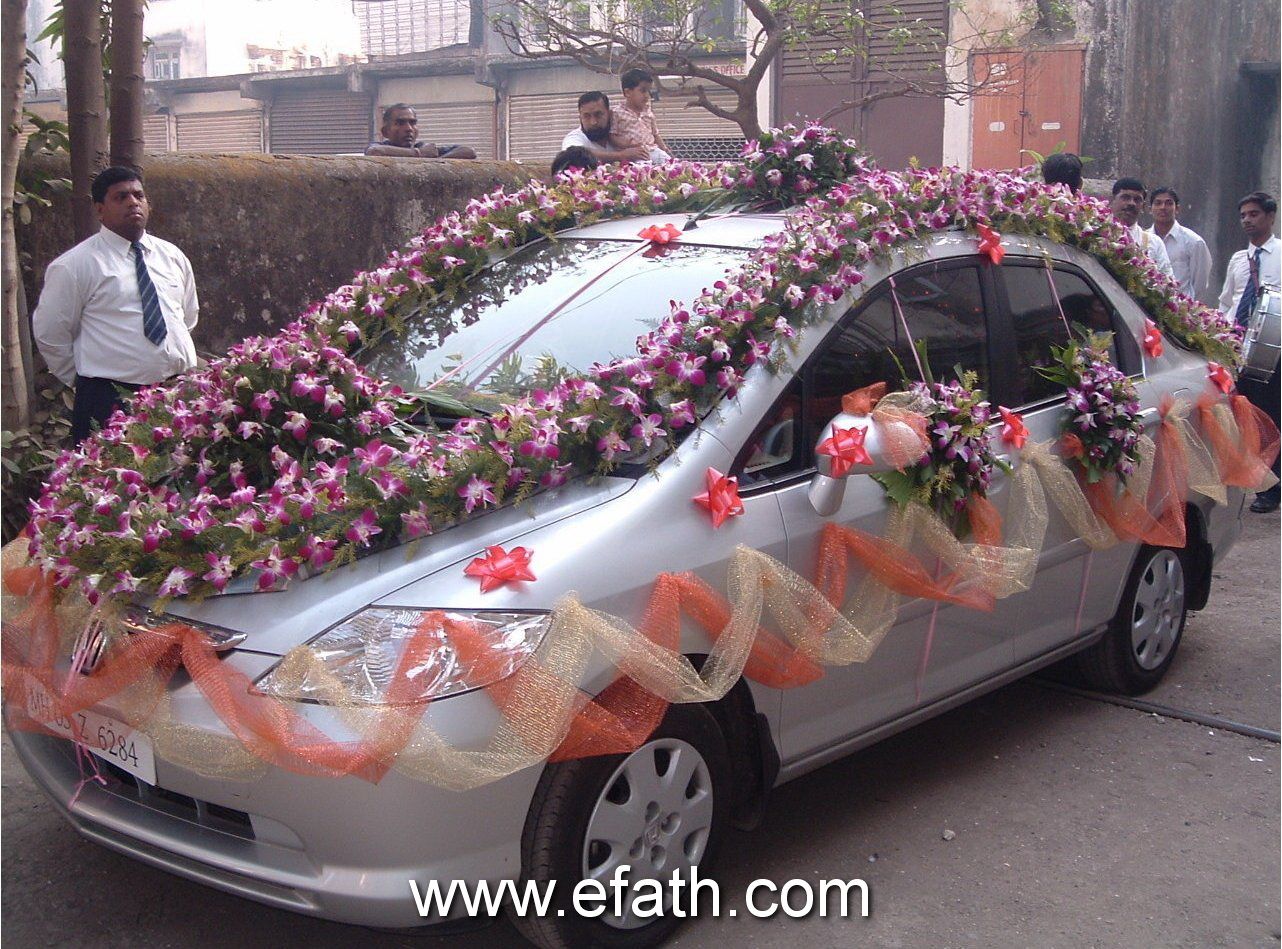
633, 122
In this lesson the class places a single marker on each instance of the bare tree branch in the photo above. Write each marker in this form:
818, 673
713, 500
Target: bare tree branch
881, 51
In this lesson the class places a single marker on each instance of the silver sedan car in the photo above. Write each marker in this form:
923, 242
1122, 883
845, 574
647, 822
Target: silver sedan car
346, 849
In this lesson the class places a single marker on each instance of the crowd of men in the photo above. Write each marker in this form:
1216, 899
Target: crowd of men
1182, 254
117, 310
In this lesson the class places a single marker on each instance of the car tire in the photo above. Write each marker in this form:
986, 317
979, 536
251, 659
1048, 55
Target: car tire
1145, 633
579, 803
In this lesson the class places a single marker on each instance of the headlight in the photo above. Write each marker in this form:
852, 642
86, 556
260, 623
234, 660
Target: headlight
384, 656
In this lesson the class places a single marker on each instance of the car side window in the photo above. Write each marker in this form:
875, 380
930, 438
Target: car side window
775, 448
943, 306
1041, 323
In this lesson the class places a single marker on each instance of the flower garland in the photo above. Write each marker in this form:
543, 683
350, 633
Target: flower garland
1102, 431
287, 457
786, 163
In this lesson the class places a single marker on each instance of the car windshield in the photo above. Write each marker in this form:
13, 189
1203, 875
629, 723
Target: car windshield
549, 310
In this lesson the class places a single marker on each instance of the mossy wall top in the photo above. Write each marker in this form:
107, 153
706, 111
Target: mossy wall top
269, 234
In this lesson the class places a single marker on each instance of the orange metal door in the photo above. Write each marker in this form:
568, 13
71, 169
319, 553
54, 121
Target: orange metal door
1052, 100
997, 128
1030, 101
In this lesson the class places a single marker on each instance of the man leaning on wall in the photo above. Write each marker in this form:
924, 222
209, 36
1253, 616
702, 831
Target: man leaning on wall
400, 138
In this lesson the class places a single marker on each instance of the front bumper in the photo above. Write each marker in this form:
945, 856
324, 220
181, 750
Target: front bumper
336, 848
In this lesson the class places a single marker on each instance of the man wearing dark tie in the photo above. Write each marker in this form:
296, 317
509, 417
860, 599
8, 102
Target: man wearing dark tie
117, 310
1259, 265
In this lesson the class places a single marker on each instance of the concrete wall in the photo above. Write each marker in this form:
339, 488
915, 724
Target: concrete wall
1167, 99
268, 234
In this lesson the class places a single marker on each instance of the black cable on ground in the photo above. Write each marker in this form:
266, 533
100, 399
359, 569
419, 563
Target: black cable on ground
1211, 721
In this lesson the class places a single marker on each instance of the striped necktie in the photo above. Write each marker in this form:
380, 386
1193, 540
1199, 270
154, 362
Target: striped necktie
153, 321
1250, 291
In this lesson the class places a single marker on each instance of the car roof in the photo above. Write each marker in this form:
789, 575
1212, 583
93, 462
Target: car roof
732, 229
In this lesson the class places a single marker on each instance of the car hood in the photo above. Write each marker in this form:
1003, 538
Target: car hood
274, 623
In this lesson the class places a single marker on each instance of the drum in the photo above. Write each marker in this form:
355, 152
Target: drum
1263, 342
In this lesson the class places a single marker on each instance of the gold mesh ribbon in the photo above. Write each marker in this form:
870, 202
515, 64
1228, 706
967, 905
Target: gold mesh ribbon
772, 626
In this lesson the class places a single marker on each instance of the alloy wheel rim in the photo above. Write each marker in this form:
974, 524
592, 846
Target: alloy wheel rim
654, 815
1158, 611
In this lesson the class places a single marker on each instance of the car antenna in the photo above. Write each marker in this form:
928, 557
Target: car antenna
693, 220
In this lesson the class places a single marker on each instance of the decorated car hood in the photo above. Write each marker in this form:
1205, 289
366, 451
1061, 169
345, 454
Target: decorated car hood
274, 622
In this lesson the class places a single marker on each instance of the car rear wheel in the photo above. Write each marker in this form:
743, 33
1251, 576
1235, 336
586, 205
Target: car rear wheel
657, 810
1144, 635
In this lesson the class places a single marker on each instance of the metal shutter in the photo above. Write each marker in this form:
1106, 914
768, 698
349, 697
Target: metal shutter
813, 61
321, 122
397, 27
817, 60
236, 132
678, 119
536, 125
155, 132
695, 133
459, 123
927, 20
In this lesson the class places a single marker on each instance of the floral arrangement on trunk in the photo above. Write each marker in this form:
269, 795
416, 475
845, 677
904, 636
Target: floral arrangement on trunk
287, 456
1103, 429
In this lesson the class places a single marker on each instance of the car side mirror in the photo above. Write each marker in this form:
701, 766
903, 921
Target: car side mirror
828, 487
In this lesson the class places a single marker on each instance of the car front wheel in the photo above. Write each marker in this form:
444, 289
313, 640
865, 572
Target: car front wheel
641, 816
1144, 635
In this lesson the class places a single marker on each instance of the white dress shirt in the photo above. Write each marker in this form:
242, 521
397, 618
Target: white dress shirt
89, 319
580, 139
1190, 258
1239, 273
1153, 247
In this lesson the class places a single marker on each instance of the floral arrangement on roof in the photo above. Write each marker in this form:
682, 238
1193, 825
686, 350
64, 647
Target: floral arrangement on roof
1102, 431
287, 456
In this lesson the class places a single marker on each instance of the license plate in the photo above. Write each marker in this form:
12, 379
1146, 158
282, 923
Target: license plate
109, 739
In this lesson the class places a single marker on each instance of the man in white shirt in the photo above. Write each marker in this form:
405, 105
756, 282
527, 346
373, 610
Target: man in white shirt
1259, 265
1128, 199
117, 310
593, 134
1190, 258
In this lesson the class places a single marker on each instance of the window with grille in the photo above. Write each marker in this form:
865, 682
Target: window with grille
164, 64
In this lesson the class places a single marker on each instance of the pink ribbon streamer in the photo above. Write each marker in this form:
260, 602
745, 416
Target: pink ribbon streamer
894, 297
1050, 280
924, 661
1081, 596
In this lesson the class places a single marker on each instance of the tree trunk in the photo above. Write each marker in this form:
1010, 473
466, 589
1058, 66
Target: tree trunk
126, 82
86, 102
16, 403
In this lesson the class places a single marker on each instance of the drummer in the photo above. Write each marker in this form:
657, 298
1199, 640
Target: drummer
1249, 270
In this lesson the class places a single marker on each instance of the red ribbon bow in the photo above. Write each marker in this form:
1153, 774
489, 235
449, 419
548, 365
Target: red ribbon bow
990, 243
1013, 431
721, 499
1152, 339
500, 566
1222, 378
660, 234
846, 449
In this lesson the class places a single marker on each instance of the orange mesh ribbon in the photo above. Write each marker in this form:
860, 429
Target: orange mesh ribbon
903, 431
1158, 518
893, 566
1242, 439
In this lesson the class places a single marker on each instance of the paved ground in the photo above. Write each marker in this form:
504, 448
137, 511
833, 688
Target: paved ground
1075, 824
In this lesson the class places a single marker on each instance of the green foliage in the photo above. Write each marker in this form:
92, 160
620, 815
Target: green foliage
28, 456
37, 187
